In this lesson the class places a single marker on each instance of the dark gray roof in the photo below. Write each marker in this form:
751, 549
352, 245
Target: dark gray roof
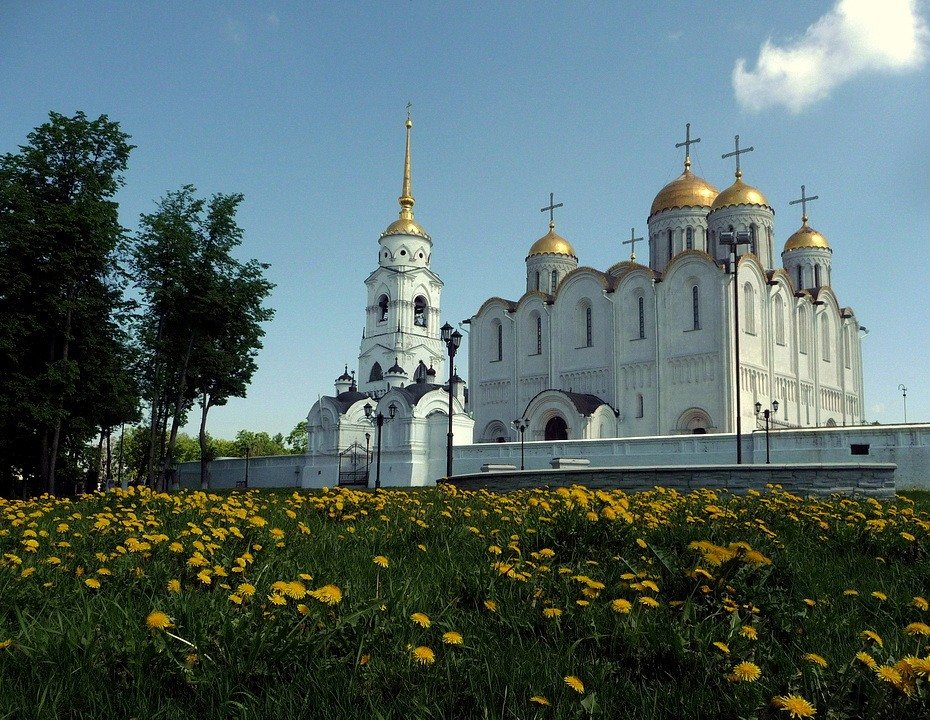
347, 399
584, 403
415, 392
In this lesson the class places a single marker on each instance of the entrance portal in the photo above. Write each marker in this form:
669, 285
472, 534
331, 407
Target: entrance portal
557, 429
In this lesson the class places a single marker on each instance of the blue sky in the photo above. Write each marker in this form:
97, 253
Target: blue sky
301, 108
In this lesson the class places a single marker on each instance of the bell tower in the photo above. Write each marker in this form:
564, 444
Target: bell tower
402, 317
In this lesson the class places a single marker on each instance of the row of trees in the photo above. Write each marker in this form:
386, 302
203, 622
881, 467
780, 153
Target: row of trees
100, 326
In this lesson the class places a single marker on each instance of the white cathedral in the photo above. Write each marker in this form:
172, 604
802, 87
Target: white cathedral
630, 351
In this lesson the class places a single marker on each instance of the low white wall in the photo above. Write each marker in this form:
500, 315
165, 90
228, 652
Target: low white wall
907, 446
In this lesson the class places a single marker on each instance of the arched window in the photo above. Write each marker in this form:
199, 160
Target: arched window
419, 311
498, 339
537, 325
375, 373
555, 280
695, 309
800, 278
803, 331
670, 248
640, 406
752, 239
749, 310
537, 281
689, 238
825, 338
817, 276
588, 330
382, 308
779, 320
642, 318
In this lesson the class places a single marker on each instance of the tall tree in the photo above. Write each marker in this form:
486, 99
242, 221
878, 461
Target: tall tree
61, 300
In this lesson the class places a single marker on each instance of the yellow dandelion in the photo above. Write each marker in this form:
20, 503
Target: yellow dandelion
235, 599
809, 602
878, 595
423, 655
246, 590
174, 586
4, 644
92, 583
190, 660
621, 606
917, 628
722, 647
204, 577
649, 601
328, 595
421, 619
157, 620
452, 638
575, 684
381, 561
888, 674
302, 609
866, 660
551, 613
277, 599
872, 636
539, 700
850, 593
795, 706
920, 603
295, 590
815, 659
907, 536
490, 605
746, 672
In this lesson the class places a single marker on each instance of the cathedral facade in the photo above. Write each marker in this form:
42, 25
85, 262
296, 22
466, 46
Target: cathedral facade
640, 350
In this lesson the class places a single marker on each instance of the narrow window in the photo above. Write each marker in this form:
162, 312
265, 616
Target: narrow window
642, 319
800, 278
825, 337
695, 309
689, 238
382, 309
499, 341
803, 340
375, 373
537, 281
749, 310
752, 239
539, 336
846, 349
779, 320
588, 335
670, 248
817, 276
419, 311
640, 406
555, 280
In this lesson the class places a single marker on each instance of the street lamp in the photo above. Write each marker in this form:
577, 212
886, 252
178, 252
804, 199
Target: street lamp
734, 240
521, 425
904, 393
379, 421
452, 339
367, 456
767, 414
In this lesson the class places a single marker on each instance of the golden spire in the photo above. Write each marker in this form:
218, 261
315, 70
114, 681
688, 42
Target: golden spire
405, 224
406, 197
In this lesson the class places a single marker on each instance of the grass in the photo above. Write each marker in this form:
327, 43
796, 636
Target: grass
569, 604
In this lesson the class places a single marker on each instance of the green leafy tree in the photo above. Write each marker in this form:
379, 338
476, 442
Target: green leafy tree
64, 348
296, 439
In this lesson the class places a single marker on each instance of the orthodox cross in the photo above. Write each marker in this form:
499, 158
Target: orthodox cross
632, 243
409, 105
737, 153
687, 143
551, 210
804, 200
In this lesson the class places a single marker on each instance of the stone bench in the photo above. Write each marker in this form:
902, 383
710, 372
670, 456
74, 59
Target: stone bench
497, 467
561, 462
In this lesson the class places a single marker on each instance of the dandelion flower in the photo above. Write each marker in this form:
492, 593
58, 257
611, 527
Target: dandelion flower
722, 647
328, 595
795, 706
157, 620
551, 613
539, 700
920, 603
421, 619
92, 583
4, 644
816, 659
888, 674
381, 561
649, 601
746, 672
452, 638
295, 590
235, 599
917, 628
850, 593
748, 631
878, 595
907, 536
246, 590
809, 602
490, 605
277, 599
866, 660
621, 606
423, 655
575, 684
872, 636
174, 586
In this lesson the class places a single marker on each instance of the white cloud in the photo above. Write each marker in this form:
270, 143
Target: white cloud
856, 36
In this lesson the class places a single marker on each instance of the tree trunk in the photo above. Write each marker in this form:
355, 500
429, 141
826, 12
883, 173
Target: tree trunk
156, 404
108, 475
56, 431
168, 460
202, 437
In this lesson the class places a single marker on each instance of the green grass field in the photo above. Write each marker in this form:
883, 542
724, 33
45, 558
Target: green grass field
444, 604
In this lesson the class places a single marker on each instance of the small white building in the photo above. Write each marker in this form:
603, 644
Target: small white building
640, 350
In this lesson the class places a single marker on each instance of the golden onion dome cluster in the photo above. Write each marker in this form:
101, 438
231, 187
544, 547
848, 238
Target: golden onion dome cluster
806, 237
687, 190
552, 244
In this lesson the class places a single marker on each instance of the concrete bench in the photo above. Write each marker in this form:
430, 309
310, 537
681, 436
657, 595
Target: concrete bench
561, 462
496, 467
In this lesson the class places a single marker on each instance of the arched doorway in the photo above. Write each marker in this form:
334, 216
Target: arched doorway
695, 421
557, 428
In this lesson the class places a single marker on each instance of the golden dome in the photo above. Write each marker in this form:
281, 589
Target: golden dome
806, 237
739, 193
687, 190
405, 226
552, 244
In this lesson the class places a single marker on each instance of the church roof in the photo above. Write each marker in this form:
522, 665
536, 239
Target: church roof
414, 393
687, 190
405, 224
806, 237
585, 403
552, 244
739, 193
347, 399
396, 369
